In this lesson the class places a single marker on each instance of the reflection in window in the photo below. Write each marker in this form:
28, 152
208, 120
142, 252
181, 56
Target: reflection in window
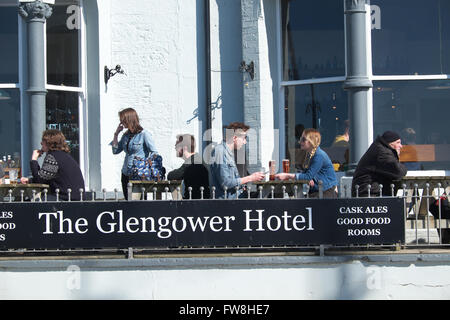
313, 39
62, 114
10, 143
320, 106
419, 112
410, 37
9, 43
63, 44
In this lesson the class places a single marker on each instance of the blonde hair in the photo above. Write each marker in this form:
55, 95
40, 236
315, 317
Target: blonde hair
314, 137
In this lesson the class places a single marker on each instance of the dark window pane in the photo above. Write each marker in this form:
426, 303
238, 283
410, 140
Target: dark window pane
320, 106
10, 142
62, 114
9, 43
313, 39
410, 37
63, 44
422, 106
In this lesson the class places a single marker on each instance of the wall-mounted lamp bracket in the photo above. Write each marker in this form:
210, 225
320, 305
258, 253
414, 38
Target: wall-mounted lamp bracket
112, 72
250, 68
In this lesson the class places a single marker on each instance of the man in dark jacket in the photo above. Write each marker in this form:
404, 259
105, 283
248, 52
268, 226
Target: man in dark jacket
379, 165
193, 172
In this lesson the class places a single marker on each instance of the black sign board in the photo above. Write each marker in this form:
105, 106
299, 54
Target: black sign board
201, 223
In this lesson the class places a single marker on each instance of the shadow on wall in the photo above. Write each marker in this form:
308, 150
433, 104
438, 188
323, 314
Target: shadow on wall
214, 106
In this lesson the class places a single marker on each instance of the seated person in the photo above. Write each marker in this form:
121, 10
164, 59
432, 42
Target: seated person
379, 165
318, 167
223, 169
59, 169
193, 172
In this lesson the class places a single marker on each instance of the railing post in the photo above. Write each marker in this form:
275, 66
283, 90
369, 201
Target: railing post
190, 193
104, 194
357, 190
179, 197
81, 194
130, 191
166, 191
380, 188
45, 194
369, 188
213, 192
57, 194
202, 189
69, 194
320, 189
427, 188
393, 189
142, 194
272, 191
21, 195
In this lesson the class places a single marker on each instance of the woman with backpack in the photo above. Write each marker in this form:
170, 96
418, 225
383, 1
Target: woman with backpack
136, 142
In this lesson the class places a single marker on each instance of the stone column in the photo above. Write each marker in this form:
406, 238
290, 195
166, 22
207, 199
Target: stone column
258, 92
357, 82
35, 14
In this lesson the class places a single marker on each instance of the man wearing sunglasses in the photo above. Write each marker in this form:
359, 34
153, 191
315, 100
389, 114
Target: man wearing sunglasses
223, 171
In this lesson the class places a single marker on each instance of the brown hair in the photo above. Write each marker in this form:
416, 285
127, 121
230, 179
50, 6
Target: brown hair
130, 118
55, 140
235, 129
314, 137
186, 140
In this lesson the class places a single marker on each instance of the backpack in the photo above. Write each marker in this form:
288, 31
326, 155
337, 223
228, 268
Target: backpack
148, 169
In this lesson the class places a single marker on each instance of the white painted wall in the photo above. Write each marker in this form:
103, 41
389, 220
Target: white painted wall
273, 277
160, 45
155, 42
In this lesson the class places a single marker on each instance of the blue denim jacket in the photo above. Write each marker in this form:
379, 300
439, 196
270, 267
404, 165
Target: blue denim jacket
138, 145
320, 168
224, 173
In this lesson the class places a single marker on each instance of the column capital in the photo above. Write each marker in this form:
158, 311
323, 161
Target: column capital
35, 11
355, 5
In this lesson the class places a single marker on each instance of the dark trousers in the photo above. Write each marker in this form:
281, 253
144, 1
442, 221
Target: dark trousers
327, 194
125, 180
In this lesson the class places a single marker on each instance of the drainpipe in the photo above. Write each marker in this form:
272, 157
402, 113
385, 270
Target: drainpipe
35, 14
357, 82
207, 21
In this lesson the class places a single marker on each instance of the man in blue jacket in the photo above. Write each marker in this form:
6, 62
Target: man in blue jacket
223, 170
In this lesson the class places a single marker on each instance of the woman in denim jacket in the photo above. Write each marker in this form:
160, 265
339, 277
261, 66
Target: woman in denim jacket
135, 142
317, 167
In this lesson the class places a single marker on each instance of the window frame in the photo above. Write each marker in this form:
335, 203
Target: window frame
82, 90
285, 83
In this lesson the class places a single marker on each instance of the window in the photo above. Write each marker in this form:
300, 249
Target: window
9, 53
321, 106
418, 110
65, 102
10, 121
410, 37
313, 39
10, 132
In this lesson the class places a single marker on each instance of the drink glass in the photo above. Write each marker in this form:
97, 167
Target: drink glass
13, 174
286, 165
272, 164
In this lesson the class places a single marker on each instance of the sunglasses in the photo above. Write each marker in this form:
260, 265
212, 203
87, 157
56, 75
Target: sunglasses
303, 139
